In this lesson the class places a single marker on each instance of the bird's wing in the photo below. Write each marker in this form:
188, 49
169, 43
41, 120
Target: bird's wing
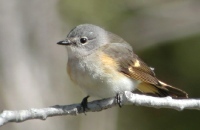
132, 66
129, 63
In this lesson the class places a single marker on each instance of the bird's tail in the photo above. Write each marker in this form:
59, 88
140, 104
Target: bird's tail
162, 90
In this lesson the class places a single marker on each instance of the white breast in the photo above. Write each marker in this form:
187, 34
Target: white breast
93, 79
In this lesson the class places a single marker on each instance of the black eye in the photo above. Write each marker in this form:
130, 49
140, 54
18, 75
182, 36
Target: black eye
83, 40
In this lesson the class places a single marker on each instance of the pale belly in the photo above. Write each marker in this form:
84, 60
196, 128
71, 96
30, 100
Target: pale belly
95, 81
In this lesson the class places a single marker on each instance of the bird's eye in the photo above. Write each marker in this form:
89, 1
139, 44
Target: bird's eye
83, 40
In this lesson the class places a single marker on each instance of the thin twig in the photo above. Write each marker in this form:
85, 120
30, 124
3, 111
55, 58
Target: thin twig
98, 105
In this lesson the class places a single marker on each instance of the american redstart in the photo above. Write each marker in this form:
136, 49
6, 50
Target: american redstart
104, 65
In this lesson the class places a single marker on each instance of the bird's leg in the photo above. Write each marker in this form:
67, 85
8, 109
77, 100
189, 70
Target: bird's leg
119, 100
84, 103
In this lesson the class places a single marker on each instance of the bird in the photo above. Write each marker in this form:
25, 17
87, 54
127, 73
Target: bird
104, 65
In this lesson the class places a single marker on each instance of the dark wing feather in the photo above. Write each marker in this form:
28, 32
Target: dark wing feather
129, 63
132, 66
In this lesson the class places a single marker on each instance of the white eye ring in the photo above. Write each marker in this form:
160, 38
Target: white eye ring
83, 40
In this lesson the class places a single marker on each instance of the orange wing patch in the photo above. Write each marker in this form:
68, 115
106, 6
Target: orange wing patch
140, 71
110, 66
137, 63
147, 88
108, 62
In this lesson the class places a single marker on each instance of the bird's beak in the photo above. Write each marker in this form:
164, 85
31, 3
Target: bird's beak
65, 42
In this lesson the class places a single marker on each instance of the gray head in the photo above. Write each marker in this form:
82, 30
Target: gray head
86, 38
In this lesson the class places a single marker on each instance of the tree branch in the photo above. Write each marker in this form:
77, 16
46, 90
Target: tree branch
98, 105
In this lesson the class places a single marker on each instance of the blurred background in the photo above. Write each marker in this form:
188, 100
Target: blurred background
164, 33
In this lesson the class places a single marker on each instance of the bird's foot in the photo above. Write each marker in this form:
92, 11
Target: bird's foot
84, 104
119, 100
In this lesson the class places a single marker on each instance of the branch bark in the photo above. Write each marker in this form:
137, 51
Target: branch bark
98, 105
